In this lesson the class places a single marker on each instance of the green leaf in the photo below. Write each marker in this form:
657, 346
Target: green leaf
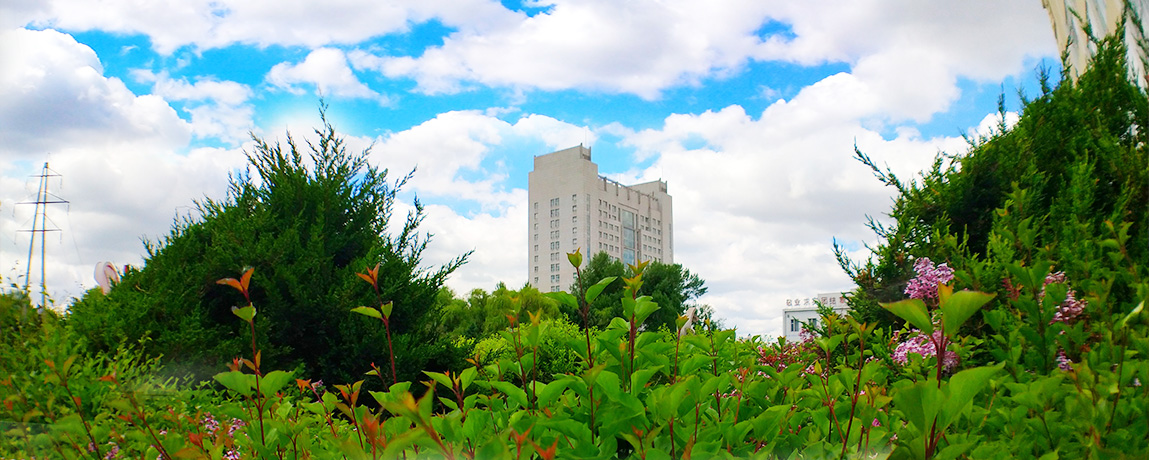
961, 389
368, 311
959, 307
245, 313
914, 312
467, 377
1132, 315
386, 308
644, 308
236, 381
575, 258
920, 402
552, 391
609, 383
274, 381
563, 298
441, 379
639, 379
593, 292
514, 393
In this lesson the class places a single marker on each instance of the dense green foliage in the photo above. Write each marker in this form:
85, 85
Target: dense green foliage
1073, 170
670, 285
483, 313
1033, 344
307, 224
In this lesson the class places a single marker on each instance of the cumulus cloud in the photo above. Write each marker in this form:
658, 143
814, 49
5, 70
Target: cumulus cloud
630, 47
123, 160
759, 200
328, 71
218, 109
53, 94
207, 24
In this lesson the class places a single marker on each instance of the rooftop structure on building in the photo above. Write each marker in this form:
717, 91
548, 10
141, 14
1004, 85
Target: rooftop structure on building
1070, 18
572, 207
801, 313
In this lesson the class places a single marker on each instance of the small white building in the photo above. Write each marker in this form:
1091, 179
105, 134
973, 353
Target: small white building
802, 311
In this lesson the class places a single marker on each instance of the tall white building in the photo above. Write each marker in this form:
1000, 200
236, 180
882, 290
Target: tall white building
1069, 19
572, 207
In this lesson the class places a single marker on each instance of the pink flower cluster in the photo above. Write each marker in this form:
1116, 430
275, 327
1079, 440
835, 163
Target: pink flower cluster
1063, 362
211, 424
922, 345
925, 285
113, 452
1071, 308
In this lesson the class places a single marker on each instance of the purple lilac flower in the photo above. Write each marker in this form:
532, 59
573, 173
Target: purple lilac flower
113, 452
876, 423
235, 425
922, 345
231, 455
1063, 362
925, 285
1071, 308
209, 423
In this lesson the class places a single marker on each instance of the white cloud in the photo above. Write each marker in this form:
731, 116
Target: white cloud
759, 203
53, 94
632, 47
119, 156
206, 24
327, 70
218, 109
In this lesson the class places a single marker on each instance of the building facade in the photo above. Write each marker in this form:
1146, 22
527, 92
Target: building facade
572, 207
1070, 18
800, 312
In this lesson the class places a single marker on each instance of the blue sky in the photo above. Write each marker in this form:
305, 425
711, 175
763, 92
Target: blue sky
750, 109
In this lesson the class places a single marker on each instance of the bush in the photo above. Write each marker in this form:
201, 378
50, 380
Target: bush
306, 226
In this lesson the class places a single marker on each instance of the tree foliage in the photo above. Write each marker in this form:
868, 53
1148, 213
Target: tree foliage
307, 222
1073, 171
484, 313
672, 287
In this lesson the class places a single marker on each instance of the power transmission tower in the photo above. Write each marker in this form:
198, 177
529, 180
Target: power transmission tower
43, 199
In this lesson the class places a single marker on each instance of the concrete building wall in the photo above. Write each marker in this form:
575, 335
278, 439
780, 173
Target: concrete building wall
572, 207
802, 311
1069, 18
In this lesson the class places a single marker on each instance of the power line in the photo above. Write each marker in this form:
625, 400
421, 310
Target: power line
43, 199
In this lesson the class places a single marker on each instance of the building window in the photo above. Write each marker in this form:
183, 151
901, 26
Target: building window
554, 245
536, 248
536, 268
554, 202
536, 205
536, 259
554, 213
793, 324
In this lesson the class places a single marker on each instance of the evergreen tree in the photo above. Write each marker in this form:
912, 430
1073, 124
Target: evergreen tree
1072, 172
306, 225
